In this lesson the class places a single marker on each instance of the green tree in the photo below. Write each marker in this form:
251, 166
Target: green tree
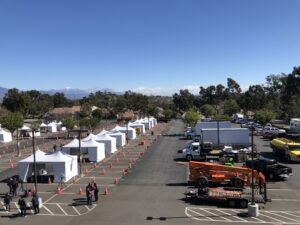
222, 117
16, 101
59, 100
191, 117
168, 114
208, 110
85, 110
230, 107
264, 116
97, 113
13, 121
69, 123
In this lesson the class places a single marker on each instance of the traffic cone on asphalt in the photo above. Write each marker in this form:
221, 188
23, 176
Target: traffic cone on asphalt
58, 190
103, 171
83, 160
74, 180
116, 181
86, 171
94, 165
129, 165
80, 191
110, 166
123, 172
106, 191
49, 181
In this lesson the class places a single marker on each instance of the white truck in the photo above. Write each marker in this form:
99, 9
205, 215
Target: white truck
226, 136
192, 132
198, 151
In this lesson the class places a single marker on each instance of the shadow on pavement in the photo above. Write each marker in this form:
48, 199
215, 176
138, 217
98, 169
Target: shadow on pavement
180, 184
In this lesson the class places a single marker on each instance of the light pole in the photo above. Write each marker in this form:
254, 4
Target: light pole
252, 207
34, 162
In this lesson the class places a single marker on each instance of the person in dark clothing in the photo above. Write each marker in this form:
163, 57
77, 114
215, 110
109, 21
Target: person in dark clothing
15, 185
7, 200
22, 205
96, 191
35, 203
89, 194
9, 184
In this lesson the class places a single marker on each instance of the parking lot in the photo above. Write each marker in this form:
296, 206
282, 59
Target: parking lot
152, 190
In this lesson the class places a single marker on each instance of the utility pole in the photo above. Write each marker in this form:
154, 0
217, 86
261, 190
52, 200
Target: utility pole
34, 162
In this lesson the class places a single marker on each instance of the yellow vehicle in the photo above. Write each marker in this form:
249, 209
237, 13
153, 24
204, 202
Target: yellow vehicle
286, 148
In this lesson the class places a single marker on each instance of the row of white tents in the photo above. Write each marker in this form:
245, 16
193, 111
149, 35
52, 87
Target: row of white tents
64, 164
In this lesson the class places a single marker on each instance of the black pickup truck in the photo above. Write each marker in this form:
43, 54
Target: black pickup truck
270, 168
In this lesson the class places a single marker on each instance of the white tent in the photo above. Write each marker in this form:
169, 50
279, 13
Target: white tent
89, 137
154, 120
52, 127
102, 132
110, 143
26, 131
5, 136
43, 127
147, 123
59, 164
138, 125
120, 138
131, 132
95, 150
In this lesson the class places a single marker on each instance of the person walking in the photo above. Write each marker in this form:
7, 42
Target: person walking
89, 194
15, 185
7, 200
35, 203
96, 191
22, 205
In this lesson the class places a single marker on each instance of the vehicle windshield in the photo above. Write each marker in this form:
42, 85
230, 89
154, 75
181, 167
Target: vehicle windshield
294, 147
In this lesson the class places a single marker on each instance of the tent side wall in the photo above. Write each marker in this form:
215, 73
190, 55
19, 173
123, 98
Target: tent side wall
23, 170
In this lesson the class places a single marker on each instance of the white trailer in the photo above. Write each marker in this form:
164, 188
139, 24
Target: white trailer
226, 136
295, 125
191, 133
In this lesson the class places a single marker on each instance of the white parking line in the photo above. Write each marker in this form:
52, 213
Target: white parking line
62, 209
87, 208
198, 214
47, 209
31, 210
216, 215
259, 220
283, 199
276, 214
270, 217
290, 214
228, 214
76, 210
17, 207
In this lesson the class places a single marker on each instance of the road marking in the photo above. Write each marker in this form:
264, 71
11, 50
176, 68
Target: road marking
270, 217
217, 215
76, 210
47, 209
281, 216
2, 203
228, 214
62, 209
31, 210
291, 214
261, 221
197, 214
285, 199
87, 208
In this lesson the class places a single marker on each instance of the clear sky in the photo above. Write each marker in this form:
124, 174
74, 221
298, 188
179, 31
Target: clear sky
145, 45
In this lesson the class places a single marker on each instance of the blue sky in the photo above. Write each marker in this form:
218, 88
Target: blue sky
151, 46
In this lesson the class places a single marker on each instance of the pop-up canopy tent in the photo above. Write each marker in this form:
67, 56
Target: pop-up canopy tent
102, 132
52, 127
154, 120
131, 132
120, 138
62, 166
95, 150
25, 131
89, 137
146, 122
110, 143
5, 136
43, 127
138, 125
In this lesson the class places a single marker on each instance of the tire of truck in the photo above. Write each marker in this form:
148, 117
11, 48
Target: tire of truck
189, 157
231, 203
237, 183
202, 182
243, 203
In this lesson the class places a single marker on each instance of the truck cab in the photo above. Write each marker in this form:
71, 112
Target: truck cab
189, 133
197, 150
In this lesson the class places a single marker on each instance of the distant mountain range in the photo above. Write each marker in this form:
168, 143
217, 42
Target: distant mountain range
70, 93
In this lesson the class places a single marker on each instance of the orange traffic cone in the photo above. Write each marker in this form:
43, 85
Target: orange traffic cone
11, 164
106, 191
103, 171
123, 172
129, 166
49, 181
74, 180
80, 191
58, 190
110, 166
94, 165
86, 171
